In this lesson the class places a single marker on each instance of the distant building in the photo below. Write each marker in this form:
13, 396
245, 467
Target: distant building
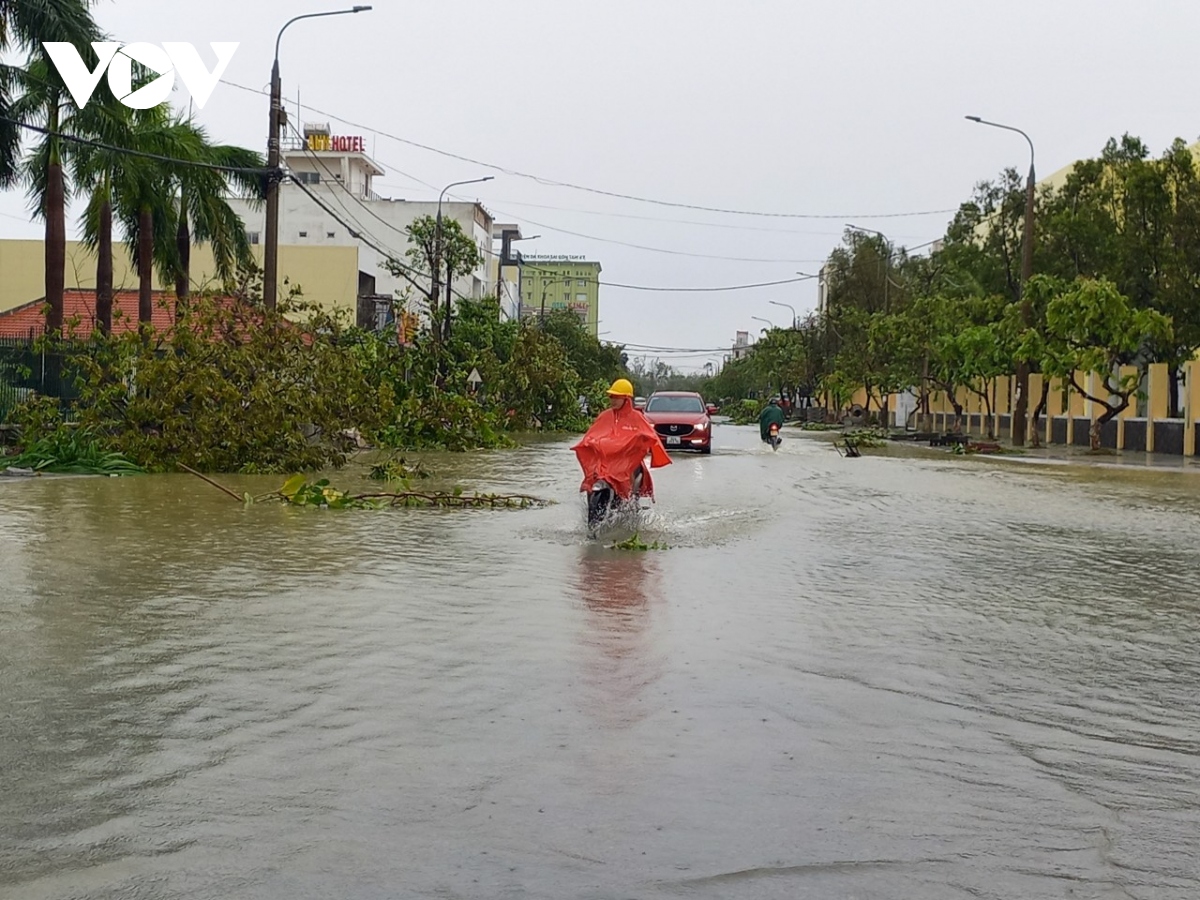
822, 288
561, 282
742, 345
338, 173
506, 269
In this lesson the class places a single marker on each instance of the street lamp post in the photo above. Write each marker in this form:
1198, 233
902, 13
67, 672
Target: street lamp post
787, 306
271, 247
1021, 407
761, 319
436, 279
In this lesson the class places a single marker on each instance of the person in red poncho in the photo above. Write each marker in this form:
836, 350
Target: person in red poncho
617, 444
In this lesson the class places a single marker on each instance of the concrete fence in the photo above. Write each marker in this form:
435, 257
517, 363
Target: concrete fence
1068, 416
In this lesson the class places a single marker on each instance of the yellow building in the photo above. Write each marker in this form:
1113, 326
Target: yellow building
327, 275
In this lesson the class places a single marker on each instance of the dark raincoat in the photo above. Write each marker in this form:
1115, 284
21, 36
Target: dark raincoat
771, 415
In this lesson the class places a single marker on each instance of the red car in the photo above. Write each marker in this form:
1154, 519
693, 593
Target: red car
681, 419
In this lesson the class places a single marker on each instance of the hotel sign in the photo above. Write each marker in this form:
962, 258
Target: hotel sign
338, 143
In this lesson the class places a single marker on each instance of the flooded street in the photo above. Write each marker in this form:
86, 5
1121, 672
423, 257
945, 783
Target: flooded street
897, 676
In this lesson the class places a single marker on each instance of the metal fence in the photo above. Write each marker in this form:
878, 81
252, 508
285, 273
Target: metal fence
26, 369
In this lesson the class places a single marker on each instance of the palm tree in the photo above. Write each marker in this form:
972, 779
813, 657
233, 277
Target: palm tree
101, 171
24, 24
165, 206
202, 212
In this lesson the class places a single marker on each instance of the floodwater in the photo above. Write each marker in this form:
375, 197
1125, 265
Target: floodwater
901, 676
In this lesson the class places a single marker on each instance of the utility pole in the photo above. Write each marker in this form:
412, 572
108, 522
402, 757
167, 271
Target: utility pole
277, 118
1021, 407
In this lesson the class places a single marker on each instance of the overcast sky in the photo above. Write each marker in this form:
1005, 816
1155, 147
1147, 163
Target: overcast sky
843, 111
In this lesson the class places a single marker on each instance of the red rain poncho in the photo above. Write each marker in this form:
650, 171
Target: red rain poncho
615, 446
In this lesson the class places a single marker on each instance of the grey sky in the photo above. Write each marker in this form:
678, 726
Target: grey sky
844, 109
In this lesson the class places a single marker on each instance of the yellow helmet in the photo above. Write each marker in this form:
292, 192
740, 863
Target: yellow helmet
621, 388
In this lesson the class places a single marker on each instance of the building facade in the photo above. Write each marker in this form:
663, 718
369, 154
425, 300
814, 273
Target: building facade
336, 205
561, 282
328, 276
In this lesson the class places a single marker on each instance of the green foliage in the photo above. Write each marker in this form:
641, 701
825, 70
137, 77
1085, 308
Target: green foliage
231, 388
637, 544
429, 419
397, 469
745, 412
71, 450
298, 491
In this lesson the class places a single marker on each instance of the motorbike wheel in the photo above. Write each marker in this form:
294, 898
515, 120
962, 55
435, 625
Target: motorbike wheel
599, 504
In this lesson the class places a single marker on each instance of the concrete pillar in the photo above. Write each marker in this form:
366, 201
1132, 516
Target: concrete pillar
1156, 406
1191, 405
1159, 389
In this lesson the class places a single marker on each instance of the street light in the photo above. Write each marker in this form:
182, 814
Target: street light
436, 281
1021, 407
788, 306
271, 248
761, 319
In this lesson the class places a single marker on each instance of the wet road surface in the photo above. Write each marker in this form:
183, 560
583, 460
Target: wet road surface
897, 676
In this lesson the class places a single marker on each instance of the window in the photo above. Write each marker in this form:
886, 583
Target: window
665, 404
330, 234
252, 237
580, 283
304, 234
308, 177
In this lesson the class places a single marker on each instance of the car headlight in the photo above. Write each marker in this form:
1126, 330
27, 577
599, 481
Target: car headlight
703, 426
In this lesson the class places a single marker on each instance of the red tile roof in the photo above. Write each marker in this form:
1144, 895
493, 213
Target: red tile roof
29, 319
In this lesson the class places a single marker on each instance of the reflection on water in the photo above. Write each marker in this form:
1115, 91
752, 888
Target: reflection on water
898, 676
621, 598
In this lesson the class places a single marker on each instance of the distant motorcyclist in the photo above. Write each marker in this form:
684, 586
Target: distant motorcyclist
614, 449
772, 414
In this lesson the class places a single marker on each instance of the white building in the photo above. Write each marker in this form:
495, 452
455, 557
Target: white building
742, 345
336, 170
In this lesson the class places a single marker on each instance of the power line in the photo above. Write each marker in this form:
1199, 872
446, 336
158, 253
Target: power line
643, 287
125, 151
550, 182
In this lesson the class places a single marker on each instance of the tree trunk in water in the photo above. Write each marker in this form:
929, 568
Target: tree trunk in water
56, 244
990, 426
958, 416
145, 259
1035, 436
1094, 433
104, 269
183, 244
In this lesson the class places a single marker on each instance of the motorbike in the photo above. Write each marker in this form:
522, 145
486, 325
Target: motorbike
603, 501
773, 437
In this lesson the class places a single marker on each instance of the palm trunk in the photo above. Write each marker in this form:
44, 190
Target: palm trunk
145, 261
183, 244
104, 267
56, 234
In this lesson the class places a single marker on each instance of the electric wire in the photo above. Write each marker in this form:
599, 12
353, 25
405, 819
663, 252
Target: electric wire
550, 182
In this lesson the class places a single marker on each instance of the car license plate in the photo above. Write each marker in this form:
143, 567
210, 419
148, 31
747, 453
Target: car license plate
672, 440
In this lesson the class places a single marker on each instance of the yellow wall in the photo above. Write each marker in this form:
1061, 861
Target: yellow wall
327, 275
